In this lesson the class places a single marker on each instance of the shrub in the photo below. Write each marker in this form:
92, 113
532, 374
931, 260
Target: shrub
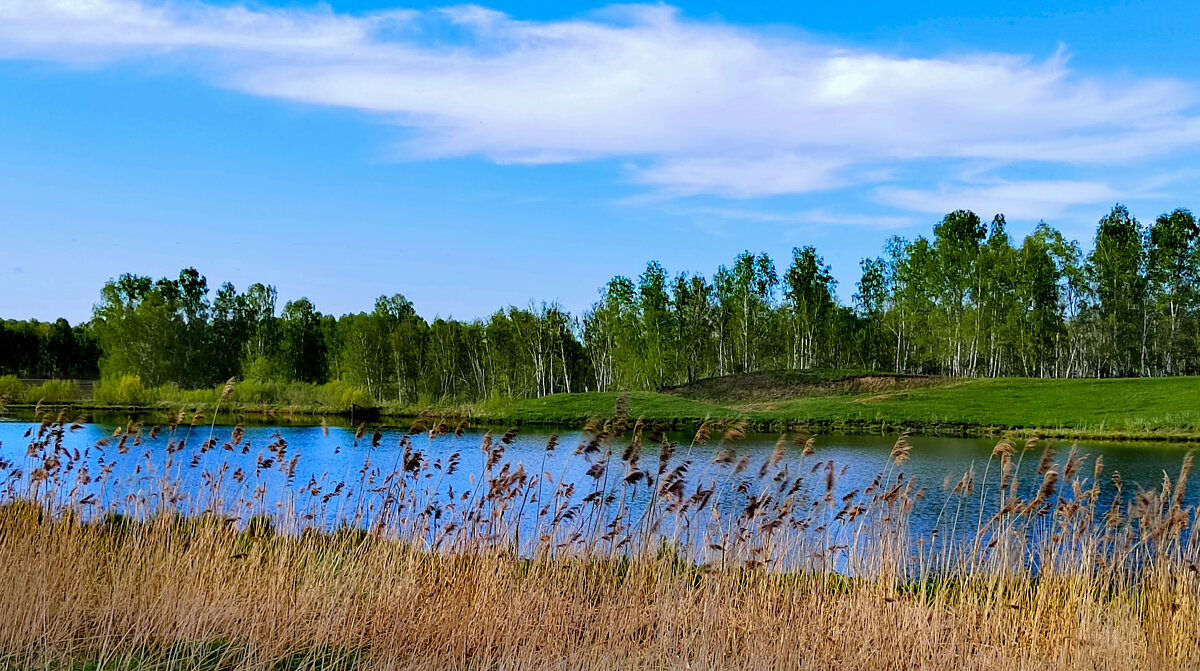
12, 387
333, 396
341, 395
259, 368
258, 392
125, 390
52, 391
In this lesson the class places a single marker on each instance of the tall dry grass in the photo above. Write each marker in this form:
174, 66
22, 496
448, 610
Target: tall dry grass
656, 561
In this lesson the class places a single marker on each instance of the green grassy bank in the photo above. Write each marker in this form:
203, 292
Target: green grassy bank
1156, 409
1143, 409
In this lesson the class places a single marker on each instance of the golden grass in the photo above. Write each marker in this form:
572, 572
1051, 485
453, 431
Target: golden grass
529, 573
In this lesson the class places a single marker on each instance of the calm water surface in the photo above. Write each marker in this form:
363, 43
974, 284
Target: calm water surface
325, 457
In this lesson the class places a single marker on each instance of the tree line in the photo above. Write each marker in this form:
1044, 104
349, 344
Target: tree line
48, 350
969, 300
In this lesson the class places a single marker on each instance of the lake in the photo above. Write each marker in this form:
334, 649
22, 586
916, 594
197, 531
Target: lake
326, 477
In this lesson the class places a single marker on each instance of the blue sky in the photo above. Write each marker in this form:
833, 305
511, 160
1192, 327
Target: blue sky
477, 156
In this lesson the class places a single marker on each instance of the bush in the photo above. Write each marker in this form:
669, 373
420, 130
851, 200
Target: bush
333, 396
12, 387
52, 391
260, 369
341, 395
494, 402
258, 392
125, 390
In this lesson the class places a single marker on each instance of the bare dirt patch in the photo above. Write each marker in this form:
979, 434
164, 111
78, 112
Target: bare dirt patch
783, 385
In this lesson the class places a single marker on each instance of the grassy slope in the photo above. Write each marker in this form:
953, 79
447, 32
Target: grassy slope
1128, 404
833, 400
1164, 407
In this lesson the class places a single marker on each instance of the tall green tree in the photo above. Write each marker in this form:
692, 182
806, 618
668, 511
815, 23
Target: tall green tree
956, 246
138, 326
303, 347
261, 356
1117, 266
655, 328
692, 303
1039, 320
406, 333
1173, 268
610, 334
808, 290
228, 333
744, 293
871, 301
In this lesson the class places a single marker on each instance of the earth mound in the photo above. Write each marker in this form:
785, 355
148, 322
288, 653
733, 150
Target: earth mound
782, 385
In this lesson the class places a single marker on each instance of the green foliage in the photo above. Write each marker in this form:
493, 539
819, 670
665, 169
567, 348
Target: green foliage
124, 390
342, 395
968, 301
1117, 268
40, 350
333, 396
1172, 273
11, 387
1135, 408
336, 396
808, 295
260, 368
51, 391
1130, 406
302, 343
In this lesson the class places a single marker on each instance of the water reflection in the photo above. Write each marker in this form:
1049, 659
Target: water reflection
586, 488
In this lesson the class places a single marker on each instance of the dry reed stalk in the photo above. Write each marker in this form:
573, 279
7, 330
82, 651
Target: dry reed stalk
763, 570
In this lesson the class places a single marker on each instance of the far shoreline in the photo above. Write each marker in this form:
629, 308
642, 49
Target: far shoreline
405, 419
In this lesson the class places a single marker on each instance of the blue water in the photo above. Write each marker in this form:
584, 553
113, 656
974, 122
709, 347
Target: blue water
307, 465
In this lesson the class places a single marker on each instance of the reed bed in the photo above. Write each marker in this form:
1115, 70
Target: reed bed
653, 560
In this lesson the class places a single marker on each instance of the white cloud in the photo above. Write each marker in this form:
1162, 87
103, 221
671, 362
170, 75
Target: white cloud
742, 177
695, 107
1016, 199
815, 217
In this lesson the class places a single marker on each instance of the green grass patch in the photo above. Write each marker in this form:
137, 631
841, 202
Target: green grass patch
1127, 408
1143, 407
1138, 405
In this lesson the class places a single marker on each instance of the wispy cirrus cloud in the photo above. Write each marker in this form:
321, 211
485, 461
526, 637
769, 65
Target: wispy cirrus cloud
1026, 199
810, 217
695, 107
